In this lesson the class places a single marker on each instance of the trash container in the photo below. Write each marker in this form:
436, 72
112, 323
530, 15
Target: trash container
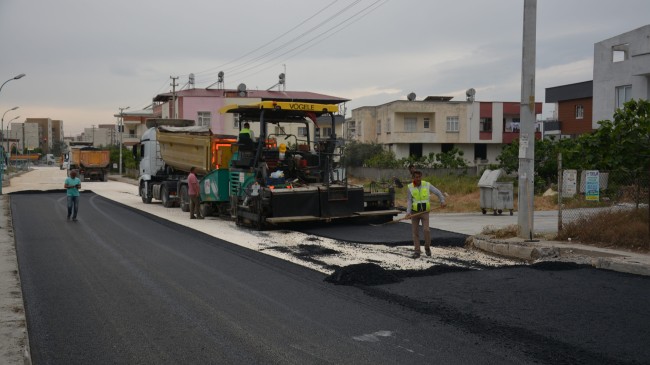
497, 196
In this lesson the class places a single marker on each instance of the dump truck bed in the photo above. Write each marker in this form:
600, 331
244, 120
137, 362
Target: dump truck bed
186, 147
88, 158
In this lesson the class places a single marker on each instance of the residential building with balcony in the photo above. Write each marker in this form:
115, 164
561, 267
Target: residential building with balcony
621, 72
573, 110
134, 126
202, 106
438, 124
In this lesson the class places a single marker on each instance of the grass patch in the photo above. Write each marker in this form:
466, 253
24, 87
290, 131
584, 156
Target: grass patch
620, 228
502, 232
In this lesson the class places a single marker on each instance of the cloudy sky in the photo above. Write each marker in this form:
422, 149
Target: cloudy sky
84, 59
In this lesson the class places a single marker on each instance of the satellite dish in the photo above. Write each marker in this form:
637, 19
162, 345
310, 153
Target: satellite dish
470, 94
411, 96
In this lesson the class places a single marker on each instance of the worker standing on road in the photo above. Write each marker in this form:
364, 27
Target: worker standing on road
193, 192
72, 185
418, 206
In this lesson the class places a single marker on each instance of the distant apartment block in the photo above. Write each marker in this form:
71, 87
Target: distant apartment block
438, 124
24, 136
621, 72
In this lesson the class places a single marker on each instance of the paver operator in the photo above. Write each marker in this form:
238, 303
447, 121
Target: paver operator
418, 206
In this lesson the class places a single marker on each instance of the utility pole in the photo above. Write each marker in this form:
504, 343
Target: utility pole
527, 132
173, 85
120, 128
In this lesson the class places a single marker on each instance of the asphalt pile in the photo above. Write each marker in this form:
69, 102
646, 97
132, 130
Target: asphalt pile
362, 274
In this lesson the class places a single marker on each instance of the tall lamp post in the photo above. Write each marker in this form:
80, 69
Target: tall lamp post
120, 128
2, 163
2, 126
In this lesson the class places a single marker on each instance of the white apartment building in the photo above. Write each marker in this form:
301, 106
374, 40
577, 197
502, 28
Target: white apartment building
621, 72
24, 135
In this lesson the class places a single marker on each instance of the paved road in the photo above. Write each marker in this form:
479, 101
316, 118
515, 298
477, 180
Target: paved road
121, 286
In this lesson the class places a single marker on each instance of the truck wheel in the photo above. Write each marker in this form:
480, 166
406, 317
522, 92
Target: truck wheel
146, 196
206, 209
164, 196
185, 199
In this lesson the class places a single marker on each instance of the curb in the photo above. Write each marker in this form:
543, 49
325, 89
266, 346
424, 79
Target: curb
529, 252
625, 267
513, 250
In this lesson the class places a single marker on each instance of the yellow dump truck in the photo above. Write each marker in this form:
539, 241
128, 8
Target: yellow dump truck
91, 162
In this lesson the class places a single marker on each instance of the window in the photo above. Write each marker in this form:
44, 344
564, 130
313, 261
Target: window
580, 112
620, 52
514, 125
203, 119
410, 124
235, 120
302, 131
388, 126
322, 132
279, 130
426, 123
485, 125
378, 128
452, 124
623, 95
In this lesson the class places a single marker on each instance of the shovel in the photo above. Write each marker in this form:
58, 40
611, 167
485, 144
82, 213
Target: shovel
404, 218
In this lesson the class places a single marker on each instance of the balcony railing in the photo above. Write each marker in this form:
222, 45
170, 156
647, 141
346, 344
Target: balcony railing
552, 125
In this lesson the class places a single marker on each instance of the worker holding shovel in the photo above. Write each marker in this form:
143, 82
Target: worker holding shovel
418, 207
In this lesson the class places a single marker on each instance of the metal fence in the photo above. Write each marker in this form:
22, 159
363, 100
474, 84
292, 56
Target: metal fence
595, 200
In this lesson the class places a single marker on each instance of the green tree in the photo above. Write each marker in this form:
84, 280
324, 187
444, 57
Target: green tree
453, 159
383, 159
356, 153
58, 148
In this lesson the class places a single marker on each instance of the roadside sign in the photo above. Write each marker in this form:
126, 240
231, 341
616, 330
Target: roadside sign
569, 183
592, 185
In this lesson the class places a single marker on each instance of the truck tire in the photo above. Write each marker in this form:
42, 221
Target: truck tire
206, 209
144, 194
185, 199
164, 196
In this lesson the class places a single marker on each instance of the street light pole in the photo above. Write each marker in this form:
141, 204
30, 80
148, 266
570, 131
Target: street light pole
2, 166
2, 126
120, 128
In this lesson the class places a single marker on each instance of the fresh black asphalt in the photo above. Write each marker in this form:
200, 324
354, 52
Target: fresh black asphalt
121, 286
391, 234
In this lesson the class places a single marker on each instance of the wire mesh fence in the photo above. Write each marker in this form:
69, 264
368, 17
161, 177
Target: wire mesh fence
605, 206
